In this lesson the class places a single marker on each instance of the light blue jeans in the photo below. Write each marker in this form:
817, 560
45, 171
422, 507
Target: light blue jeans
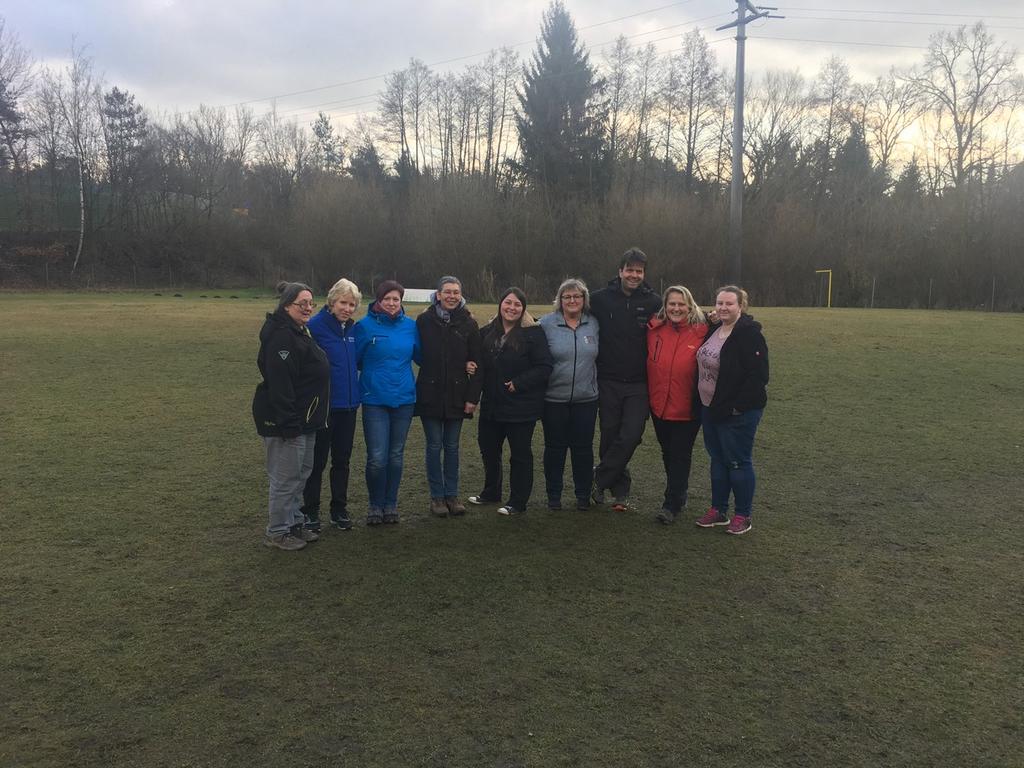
442, 440
385, 430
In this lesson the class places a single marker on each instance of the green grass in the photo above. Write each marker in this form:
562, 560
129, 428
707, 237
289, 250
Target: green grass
871, 619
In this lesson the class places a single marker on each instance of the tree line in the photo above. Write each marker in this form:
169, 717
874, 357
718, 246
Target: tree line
909, 188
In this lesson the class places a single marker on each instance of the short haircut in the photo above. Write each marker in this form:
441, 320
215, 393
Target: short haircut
633, 256
694, 316
741, 295
449, 280
574, 283
341, 289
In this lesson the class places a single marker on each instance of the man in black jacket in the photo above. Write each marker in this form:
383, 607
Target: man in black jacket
622, 309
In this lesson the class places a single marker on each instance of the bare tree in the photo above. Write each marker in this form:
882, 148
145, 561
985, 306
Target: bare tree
16, 81
698, 95
966, 80
619, 63
776, 118
283, 153
394, 109
77, 97
890, 107
831, 99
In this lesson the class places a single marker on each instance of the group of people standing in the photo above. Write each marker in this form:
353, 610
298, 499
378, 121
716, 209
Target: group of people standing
611, 358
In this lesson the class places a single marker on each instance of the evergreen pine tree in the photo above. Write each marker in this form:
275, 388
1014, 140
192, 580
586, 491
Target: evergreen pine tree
561, 113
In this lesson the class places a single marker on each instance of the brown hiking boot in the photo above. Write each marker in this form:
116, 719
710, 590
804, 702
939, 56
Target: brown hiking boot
284, 541
437, 507
455, 506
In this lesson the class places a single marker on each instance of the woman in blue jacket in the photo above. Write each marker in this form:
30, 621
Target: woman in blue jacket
387, 343
333, 329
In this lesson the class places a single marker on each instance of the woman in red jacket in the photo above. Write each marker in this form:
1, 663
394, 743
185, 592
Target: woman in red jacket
673, 337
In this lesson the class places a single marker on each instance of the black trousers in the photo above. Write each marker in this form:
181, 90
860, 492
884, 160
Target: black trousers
335, 441
491, 435
623, 409
569, 428
676, 439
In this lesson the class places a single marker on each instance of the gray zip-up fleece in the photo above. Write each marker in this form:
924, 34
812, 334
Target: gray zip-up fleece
574, 378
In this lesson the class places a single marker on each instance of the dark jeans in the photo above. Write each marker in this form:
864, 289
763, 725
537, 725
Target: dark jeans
491, 435
385, 430
623, 414
730, 445
335, 441
676, 439
569, 427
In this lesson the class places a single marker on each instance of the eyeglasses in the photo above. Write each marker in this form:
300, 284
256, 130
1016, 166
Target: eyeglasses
304, 304
572, 297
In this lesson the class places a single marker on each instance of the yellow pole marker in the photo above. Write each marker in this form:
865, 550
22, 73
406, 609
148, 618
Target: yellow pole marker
829, 272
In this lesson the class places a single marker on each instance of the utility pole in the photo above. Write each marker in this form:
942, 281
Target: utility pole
736, 184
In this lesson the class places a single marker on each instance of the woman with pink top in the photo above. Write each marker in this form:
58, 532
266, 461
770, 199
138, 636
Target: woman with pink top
732, 377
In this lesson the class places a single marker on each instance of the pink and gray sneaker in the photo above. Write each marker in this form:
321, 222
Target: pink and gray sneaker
740, 524
712, 518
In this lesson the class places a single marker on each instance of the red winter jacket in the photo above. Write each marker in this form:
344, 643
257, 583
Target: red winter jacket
672, 368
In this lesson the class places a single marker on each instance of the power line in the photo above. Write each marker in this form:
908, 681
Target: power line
297, 112
439, 63
888, 21
840, 42
902, 13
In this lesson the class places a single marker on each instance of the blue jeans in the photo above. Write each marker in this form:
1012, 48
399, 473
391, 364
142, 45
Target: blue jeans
730, 444
385, 430
442, 437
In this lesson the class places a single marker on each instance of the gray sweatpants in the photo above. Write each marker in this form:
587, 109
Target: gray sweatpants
289, 462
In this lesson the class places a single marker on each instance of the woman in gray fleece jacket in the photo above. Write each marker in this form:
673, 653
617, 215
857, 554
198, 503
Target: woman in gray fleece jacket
570, 404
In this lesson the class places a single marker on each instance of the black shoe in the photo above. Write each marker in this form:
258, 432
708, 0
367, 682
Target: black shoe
554, 504
582, 504
342, 523
666, 517
312, 520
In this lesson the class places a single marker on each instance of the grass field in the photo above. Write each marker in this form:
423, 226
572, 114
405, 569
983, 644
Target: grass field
872, 618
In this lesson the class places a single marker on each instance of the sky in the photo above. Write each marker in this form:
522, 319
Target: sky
176, 54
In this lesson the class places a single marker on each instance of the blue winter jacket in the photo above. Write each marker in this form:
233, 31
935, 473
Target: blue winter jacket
339, 342
385, 348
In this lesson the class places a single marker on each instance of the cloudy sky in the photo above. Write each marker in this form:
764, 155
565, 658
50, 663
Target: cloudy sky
176, 54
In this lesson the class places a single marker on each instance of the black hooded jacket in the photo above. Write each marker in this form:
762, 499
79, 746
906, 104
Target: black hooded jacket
295, 394
622, 352
743, 370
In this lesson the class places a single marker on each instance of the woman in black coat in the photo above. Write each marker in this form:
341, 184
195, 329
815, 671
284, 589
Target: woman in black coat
446, 391
731, 381
516, 366
290, 405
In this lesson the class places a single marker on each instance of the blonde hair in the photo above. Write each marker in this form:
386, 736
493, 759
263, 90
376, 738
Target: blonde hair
579, 285
741, 295
694, 316
343, 287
